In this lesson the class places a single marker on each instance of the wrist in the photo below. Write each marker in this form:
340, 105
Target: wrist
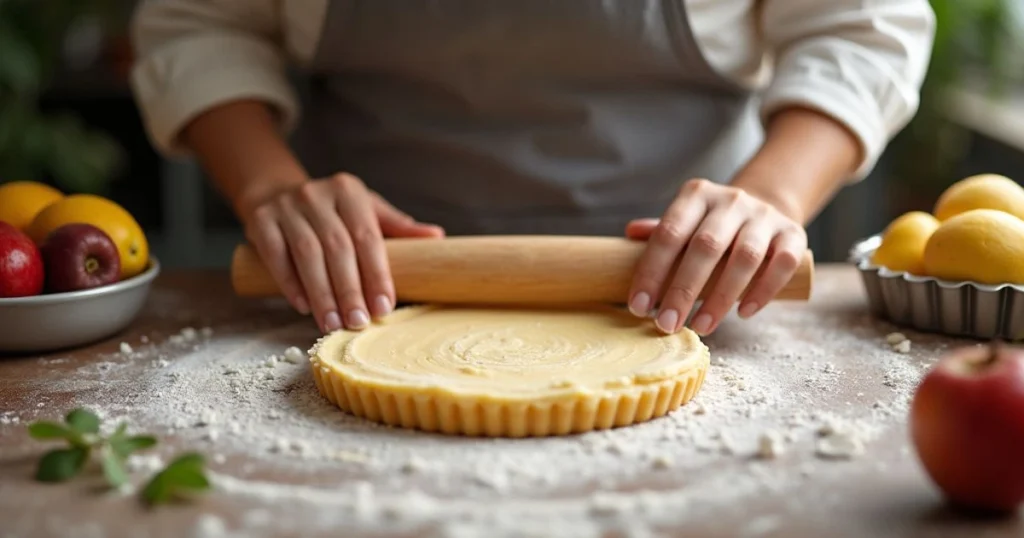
805, 159
786, 202
261, 189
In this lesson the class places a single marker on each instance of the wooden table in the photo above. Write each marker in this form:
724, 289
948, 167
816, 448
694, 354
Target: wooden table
796, 363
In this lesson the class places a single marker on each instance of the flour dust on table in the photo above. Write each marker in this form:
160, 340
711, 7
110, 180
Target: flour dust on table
248, 401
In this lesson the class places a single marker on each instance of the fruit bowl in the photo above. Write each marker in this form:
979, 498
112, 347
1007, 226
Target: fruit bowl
955, 308
64, 320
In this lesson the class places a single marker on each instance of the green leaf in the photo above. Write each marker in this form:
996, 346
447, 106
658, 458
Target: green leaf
44, 429
113, 468
83, 421
123, 447
61, 464
181, 477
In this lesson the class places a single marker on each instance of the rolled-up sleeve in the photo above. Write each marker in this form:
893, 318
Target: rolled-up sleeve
861, 63
192, 55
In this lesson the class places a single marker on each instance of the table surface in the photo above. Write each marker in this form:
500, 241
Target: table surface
285, 463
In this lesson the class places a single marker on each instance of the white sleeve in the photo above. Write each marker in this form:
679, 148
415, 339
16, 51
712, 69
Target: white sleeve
861, 63
192, 55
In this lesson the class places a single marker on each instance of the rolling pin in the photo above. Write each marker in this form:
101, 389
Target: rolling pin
506, 270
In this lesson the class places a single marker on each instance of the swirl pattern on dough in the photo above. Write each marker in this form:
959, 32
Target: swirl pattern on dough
478, 361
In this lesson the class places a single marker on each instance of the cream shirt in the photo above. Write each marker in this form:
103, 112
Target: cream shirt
859, 61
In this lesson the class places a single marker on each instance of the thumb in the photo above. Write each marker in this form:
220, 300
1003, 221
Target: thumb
641, 229
396, 223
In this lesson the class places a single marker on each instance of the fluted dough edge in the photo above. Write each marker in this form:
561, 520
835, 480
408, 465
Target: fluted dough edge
562, 412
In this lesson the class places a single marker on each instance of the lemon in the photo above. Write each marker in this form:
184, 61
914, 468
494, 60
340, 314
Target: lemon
903, 242
980, 245
984, 191
21, 201
106, 215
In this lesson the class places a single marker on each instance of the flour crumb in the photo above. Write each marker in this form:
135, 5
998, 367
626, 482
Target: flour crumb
206, 332
209, 526
602, 504
144, 339
769, 446
126, 348
413, 465
188, 334
146, 463
902, 347
293, 355
280, 445
212, 436
895, 338
839, 445
208, 417
700, 409
662, 462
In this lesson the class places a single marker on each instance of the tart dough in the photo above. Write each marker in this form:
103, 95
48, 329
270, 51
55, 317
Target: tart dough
509, 372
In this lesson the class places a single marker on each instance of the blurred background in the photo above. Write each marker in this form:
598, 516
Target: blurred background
67, 118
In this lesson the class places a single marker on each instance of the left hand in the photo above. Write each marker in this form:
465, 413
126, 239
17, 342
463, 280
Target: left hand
704, 223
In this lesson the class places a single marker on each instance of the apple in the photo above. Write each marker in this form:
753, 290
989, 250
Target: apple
967, 426
79, 256
21, 265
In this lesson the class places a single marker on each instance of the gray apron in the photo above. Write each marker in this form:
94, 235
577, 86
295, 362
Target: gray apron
517, 116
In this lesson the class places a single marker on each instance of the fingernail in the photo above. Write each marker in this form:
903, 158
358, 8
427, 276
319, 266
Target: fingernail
332, 322
382, 305
357, 319
667, 320
747, 309
701, 324
641, 304
301, 305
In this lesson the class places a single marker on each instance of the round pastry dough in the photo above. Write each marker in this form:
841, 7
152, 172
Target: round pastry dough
509, 372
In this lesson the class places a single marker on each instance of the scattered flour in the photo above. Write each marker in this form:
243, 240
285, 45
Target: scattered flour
249, 400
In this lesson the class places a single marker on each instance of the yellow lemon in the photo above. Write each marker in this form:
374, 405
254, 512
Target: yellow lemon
984, 191
903, 242
981, 245
21, 201
106, 215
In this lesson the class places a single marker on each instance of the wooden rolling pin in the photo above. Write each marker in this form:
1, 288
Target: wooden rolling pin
505, 270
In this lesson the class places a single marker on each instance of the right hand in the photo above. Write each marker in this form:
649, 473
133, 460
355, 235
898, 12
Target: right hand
322, 241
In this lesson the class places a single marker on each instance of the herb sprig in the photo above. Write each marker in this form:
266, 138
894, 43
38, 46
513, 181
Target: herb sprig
81, 430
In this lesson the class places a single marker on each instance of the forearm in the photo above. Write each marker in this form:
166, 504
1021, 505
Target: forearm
806, 157
241, 149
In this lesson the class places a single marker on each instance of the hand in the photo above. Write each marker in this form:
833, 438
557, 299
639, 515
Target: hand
322, 242
703, 224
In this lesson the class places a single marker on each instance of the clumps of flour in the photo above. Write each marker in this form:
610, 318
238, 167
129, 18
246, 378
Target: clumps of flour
899, 342
777, 392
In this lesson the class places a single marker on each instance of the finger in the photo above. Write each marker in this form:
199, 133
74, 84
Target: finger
786, 250
663, 247
702, 254
371, 261
747, 253
264, 233
308, 256
396, 223
641, 229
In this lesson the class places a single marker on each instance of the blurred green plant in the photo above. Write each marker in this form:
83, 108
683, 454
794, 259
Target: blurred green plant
35, 145
976, 42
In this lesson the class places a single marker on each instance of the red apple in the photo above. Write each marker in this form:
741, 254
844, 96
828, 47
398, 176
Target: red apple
967, 425
79, 256
21, 266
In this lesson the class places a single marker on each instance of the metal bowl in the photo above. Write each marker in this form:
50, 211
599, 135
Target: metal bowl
55, 321
955, 308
